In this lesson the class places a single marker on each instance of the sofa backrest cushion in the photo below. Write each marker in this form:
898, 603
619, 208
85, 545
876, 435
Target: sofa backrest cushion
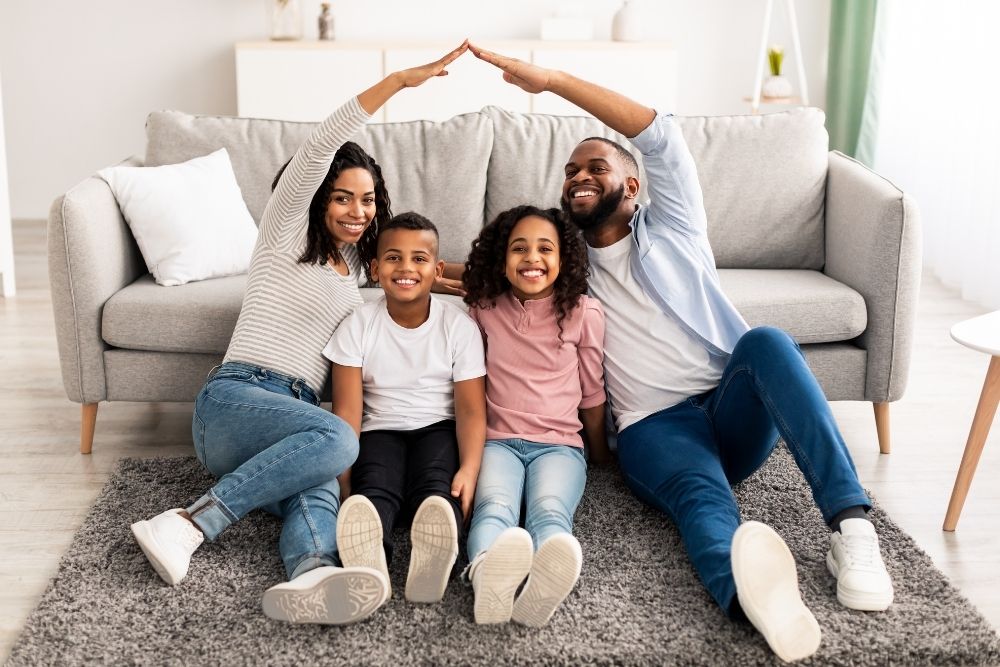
436, 169
763, 177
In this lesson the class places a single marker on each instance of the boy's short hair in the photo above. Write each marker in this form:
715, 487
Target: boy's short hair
412, 221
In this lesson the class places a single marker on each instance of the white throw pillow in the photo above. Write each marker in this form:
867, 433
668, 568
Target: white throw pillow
189, 219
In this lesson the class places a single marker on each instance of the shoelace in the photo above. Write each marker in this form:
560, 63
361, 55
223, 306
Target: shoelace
191, 538
862, 552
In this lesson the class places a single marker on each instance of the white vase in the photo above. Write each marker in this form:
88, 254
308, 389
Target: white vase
286, 20
627, 24
776, 86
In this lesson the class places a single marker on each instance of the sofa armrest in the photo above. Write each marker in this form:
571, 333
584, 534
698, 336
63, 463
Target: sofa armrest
873, 245
92, 255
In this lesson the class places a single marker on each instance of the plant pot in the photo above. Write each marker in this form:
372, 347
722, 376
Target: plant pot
776, 86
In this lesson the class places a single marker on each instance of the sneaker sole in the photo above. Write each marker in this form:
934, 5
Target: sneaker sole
434, 536
342, 597
554, 573
359, 536
147, 542
768, 589
859, 600
505, 566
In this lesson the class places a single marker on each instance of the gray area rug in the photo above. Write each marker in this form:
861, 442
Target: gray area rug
638, 601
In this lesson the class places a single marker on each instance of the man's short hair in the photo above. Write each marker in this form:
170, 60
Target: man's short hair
627, 158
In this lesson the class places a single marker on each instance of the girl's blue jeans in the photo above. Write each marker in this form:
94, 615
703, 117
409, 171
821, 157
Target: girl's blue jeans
683, 460
550, 478
265, 437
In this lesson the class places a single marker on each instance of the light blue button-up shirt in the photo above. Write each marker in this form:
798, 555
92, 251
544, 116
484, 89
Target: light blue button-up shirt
673, 262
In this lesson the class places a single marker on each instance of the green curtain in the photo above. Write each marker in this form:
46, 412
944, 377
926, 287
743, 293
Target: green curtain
852, 25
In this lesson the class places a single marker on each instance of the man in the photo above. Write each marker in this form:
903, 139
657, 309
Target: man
702, 403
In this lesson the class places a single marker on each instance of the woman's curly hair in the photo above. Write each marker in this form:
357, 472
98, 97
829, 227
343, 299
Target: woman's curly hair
319, 242
485, 276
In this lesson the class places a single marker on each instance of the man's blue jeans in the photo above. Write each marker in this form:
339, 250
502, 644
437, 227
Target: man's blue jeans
265, 437
683, 460
550, 478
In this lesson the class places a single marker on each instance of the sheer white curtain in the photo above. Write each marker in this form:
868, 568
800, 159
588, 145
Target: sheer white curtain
932, 125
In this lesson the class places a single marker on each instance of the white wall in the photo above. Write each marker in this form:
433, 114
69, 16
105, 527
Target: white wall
80, 77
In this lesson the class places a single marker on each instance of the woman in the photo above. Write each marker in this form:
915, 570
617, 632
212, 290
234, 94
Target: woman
257, 422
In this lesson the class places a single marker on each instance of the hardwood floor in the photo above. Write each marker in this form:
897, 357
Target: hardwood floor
47, 486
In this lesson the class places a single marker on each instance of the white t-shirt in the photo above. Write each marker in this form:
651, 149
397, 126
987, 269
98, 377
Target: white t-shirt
408, 375
650, 362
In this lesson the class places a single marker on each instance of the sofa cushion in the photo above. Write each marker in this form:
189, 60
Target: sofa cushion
435, 169
812, 307
201, 316
763, 177
196, 317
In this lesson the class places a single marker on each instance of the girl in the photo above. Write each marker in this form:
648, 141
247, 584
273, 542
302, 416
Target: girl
526, 279
257, 422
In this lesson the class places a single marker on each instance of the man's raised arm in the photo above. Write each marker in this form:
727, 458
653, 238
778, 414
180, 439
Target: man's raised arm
618, 112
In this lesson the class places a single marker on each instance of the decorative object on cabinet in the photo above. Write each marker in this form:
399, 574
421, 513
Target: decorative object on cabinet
627, 23
760, 90
325, 22
286, 20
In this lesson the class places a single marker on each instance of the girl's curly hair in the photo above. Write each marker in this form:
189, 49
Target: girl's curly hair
319, 241
485, 276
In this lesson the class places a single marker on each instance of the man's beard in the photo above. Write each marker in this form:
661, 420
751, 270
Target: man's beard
598, 215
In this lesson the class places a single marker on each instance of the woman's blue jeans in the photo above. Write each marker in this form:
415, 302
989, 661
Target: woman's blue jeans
683, 460
265, 437
549, 477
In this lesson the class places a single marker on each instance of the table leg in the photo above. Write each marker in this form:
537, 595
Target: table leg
977, 439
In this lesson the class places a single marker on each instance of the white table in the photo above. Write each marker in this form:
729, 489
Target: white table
983, 334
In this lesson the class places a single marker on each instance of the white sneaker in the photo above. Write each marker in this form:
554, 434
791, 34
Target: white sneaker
554, 573
767, 587
855, 561
434, 537
168, 540
328, 595
497, 572
359, 536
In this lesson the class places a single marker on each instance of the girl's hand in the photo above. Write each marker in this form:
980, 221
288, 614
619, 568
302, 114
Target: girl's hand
528, 77
413, 77
463, 487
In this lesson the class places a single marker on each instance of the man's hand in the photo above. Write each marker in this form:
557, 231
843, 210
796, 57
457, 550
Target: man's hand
528, 77
463, 487
413, 77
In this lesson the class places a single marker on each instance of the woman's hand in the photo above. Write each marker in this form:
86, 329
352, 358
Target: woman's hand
444, 285
413, 77
528, 77
372, 99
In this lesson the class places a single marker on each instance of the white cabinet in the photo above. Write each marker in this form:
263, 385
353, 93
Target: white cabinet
285, 81
469, 86
307, 80
647, 74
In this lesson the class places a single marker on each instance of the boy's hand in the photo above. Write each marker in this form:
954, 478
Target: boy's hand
463, 487
601, 458
527, 77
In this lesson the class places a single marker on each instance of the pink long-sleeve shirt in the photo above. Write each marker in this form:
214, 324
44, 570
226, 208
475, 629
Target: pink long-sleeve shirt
535, 383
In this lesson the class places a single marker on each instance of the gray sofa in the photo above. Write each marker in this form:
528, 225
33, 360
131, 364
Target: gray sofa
805, 239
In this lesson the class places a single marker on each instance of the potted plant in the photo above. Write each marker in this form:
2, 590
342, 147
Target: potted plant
776, 85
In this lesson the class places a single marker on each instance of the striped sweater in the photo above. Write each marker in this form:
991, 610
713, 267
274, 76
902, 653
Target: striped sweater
290, 309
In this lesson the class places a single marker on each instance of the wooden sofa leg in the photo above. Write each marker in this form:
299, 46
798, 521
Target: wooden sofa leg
88, 419
882, 426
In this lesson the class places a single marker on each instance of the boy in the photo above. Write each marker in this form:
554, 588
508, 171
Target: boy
408, 375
